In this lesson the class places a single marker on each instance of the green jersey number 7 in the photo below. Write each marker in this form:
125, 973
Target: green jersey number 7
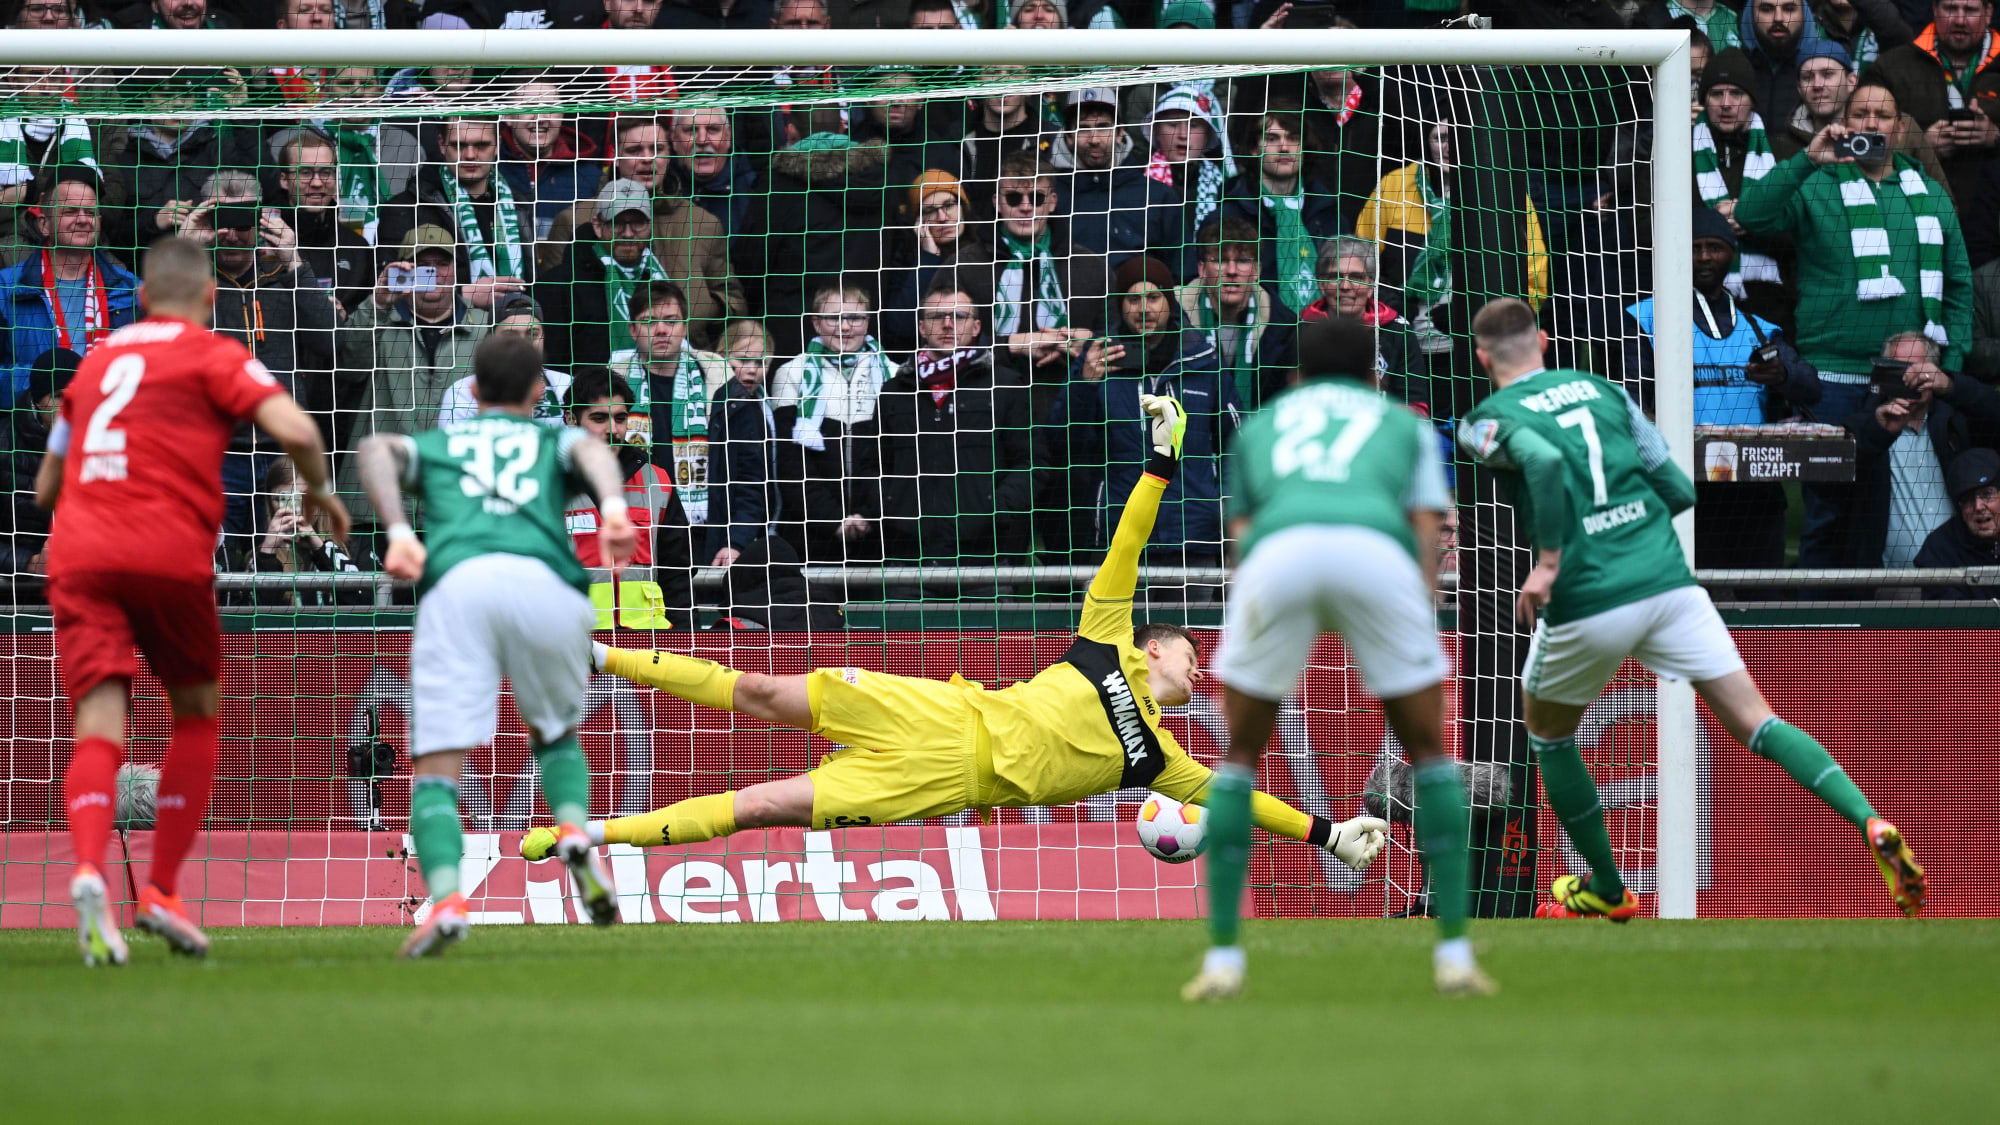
1580, 419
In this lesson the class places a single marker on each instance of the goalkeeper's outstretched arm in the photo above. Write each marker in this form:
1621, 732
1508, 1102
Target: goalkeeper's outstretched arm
1107, 608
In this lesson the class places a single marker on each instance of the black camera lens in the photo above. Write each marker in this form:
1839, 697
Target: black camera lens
236, 216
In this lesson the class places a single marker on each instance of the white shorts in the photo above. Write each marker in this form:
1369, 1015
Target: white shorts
1313, 579
1678, 635
494, 616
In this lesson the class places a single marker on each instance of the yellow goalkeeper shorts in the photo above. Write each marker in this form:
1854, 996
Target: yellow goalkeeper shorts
914, 747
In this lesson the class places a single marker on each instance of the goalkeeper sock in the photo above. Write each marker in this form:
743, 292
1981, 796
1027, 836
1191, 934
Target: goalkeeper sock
87, 785
1801, 756
187, 778
1441, 834
1228, 849
697, 681
565, 780
1573, 796
439, 837
683, 822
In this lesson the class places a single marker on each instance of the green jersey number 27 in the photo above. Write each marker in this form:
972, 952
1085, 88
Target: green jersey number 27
1320, 436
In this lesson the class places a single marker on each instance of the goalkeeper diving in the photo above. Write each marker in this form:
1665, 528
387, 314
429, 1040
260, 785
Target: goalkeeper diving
919, 748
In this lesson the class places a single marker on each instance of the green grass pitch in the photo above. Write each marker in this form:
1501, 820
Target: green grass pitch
1702, 1022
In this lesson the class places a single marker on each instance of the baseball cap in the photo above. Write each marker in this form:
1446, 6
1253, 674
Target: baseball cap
428, 235
1970, 471
51, 372
620, 196
516, 304
1094, 95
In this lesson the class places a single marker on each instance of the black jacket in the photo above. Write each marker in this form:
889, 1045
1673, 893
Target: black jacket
832, 199
145, 180
27, 526
742, 467
287, 322
957, 477
1969, 417
1954, 544
340, 259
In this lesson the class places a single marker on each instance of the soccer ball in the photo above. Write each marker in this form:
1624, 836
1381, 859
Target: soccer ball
1173, 832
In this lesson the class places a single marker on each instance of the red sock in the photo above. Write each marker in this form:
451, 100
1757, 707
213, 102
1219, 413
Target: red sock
186, 780
87, 790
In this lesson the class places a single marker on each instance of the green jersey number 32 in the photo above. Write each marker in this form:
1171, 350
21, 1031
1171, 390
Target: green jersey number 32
1305, 449
496, 467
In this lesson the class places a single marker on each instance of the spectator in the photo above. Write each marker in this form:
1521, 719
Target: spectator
1409, 218
1715, 19
956, 443
656, 589
722, 181
938, 239
1944, 80
642, 82
672, 383
830, 462
998, 127
1040, 15
1826, 77
1254, 334
1347, 267
43, 15
1903, 445
1848, 303
518, 315
1740, 524
1114, 208
45, 139
267, 299
309, 193
297, 83
403, 348
291, 543
715, 14
940, 15
1291, 215
1983, 361
1190, 154
1730, 147
466, 197
34, 412
510, 15
159, 174
1972, 536
1045, 293
589, 295
1150, 352
832, 193
742, 449
1772, 33
378, 159
545, 161
920, 136
70, 295
1866, 28
182, 15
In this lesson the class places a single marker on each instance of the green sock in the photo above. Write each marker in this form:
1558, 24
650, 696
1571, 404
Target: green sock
1441, 833
1228, 848
565, 780
1801, 755
1573, 796
439, 836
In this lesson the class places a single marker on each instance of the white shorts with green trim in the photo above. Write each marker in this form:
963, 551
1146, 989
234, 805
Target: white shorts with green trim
1678, 635
1313, 579
489, 617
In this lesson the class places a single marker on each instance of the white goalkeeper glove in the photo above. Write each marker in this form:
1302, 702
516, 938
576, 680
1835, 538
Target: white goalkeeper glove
1357, 842
1169, 424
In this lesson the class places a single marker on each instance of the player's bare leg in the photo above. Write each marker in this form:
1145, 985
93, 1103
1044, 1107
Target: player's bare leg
1744, 713
439, 837
778, 699
1418, 720
1251, 721
1573, 796
88, 791
187, 780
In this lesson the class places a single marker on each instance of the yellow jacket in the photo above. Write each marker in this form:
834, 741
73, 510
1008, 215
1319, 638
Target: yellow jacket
1398, 204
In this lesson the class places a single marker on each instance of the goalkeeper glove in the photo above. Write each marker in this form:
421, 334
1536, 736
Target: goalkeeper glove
1168, 425
1357, 842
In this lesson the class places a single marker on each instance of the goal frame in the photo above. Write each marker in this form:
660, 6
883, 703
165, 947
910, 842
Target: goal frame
1665, 54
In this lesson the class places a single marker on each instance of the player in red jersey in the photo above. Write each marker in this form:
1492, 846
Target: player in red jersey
135, 458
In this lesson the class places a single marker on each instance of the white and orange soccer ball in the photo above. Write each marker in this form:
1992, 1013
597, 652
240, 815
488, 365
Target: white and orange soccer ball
1173, 832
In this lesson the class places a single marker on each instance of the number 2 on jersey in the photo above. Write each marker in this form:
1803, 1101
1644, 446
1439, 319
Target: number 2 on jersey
1300, 450
121, 382
1580, 419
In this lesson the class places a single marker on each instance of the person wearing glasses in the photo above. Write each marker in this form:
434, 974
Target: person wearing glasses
1047, 294
829, 467
956, 446
309, 201
1346, 272
940, 238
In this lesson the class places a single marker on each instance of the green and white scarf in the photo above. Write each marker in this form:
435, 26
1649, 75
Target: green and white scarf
820, 361
1723, 25
685, 429
68, 140
1708, 181
620, 281
1297, 281
1429, 282
361, 189
1869, 239
498, 252
1051, 309
1242, 367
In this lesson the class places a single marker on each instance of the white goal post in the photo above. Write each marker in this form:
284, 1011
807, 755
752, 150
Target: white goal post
1664, 54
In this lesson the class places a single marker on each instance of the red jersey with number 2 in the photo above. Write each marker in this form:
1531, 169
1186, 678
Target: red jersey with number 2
150, 412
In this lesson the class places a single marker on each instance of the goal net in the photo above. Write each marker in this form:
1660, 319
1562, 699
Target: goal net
867, 317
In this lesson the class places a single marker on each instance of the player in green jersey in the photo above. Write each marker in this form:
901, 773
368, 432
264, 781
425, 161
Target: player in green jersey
1336, 496
500, 593
1592, 480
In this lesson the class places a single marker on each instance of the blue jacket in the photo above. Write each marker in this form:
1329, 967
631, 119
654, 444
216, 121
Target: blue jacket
1107, 412
28, 324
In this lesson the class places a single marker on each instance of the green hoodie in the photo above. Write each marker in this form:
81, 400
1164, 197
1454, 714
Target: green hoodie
1837, 331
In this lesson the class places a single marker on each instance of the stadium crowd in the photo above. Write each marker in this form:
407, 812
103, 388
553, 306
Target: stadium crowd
917, 329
